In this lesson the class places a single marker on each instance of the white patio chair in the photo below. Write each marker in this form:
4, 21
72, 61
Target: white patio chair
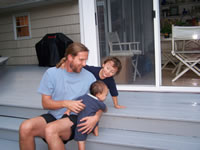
122, 48
169, 60
118, 48
186, 48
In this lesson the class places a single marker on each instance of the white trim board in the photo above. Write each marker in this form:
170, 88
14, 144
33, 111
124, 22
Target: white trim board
88, 29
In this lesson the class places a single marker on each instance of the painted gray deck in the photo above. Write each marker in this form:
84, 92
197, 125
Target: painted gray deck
18, 87
150, 121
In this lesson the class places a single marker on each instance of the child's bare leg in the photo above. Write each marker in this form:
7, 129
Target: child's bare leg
96, 131
81, 145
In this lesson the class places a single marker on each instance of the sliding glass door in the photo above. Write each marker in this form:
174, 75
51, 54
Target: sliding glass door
125, 29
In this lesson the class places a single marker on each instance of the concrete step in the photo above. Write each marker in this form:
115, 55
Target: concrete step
9, 145
108, 139
167, 113
14, 145
148, 120
124, 139
150, 124
21, 112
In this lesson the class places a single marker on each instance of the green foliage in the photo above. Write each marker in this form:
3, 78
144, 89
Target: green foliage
167, 28
167, 25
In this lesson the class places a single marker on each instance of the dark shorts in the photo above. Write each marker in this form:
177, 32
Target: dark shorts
50, 118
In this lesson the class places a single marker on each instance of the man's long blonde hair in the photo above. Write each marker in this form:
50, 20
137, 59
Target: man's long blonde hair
73, 49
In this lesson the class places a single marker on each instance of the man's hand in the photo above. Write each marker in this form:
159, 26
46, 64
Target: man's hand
75, 106
49, 103
88, 124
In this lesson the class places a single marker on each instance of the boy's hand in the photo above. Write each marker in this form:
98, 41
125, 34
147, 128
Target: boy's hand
119, 106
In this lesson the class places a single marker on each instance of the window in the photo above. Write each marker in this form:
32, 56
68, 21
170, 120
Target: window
21, 24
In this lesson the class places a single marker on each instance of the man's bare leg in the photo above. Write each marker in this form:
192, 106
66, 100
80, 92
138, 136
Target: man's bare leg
81, 145
28, 130
56, 132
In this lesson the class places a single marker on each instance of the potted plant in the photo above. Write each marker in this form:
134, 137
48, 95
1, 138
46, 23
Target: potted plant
166, 29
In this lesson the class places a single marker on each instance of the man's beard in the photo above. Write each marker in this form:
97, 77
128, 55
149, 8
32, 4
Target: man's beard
75, 68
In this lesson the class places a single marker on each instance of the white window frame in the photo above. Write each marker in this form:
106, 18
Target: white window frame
15, 26
89, 37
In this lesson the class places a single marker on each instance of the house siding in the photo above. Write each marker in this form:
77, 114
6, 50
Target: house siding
61, 17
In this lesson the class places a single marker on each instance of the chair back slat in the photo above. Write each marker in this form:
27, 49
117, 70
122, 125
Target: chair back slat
186, 33
113, 37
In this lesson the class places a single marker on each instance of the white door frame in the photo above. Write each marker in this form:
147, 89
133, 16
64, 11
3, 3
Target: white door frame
88, 31
89, 37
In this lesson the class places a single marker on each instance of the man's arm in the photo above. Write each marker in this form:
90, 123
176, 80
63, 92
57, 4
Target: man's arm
89, 122
49, 103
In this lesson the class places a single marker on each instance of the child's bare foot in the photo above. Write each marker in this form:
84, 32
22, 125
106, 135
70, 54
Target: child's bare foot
96, 131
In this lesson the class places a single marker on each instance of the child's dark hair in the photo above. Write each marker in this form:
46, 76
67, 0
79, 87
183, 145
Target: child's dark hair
116, 63
97, 87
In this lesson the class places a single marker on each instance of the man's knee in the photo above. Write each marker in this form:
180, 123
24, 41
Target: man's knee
50, 132
25, 129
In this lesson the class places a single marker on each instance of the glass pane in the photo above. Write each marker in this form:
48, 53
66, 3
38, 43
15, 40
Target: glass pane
23, 31
126, 31
178, 13
17, 21
22, 20
102, 28
25, 20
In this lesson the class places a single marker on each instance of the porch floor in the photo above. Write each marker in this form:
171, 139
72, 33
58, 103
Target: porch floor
18, 87
152, 120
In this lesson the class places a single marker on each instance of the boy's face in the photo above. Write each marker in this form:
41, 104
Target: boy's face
108, 69
102, 96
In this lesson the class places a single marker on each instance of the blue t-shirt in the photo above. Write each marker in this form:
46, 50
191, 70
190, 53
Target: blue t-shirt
110, 82
63, 85
92, 105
